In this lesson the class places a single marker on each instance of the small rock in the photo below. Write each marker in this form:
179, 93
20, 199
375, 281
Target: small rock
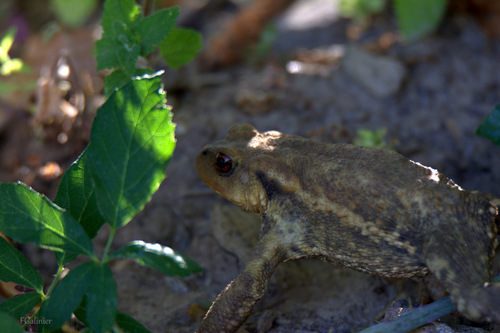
435, 328
381, 76
396, 309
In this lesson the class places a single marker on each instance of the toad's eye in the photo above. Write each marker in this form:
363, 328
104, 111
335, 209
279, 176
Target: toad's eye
223, 164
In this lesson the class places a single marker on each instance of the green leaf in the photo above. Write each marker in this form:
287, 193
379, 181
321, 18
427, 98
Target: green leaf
63, 258
118, 79
20, 305
9, 324
16, 268
11, 87
12, 66
28, 216
360, 10
159, 257
118, 47
490, 126
151, 30
73, 12
76, 195
417, 18
127, 34
6, 43
81, 310
7, 65
125, 322
129, 324
119, 13
180, 47
68, 294
132, 140
117, 53
371, 139
101, 300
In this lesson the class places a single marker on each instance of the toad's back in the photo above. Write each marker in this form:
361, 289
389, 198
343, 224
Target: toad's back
360, 207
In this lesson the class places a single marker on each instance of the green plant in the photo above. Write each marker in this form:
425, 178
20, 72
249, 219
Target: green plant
371, 139
180, 46
416, 18
490, 126
127, 35
9, 65
263, 47
132, 141
360, 9
73, 13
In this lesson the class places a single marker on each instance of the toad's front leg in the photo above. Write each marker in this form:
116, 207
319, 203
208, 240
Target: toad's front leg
233, 306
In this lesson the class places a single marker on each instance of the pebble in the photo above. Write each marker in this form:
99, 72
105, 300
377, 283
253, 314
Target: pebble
382, 76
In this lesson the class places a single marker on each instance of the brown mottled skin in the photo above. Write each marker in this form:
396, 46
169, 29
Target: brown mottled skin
368, 209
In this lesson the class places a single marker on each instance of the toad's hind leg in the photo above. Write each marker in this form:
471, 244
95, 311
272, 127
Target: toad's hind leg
458, 250
235, 303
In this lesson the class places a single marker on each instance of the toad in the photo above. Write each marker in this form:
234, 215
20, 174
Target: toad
368, 209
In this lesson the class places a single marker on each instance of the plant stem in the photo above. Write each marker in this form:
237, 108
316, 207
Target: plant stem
108, 244
60, 269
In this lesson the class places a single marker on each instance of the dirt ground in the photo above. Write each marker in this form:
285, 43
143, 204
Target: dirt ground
430, 95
